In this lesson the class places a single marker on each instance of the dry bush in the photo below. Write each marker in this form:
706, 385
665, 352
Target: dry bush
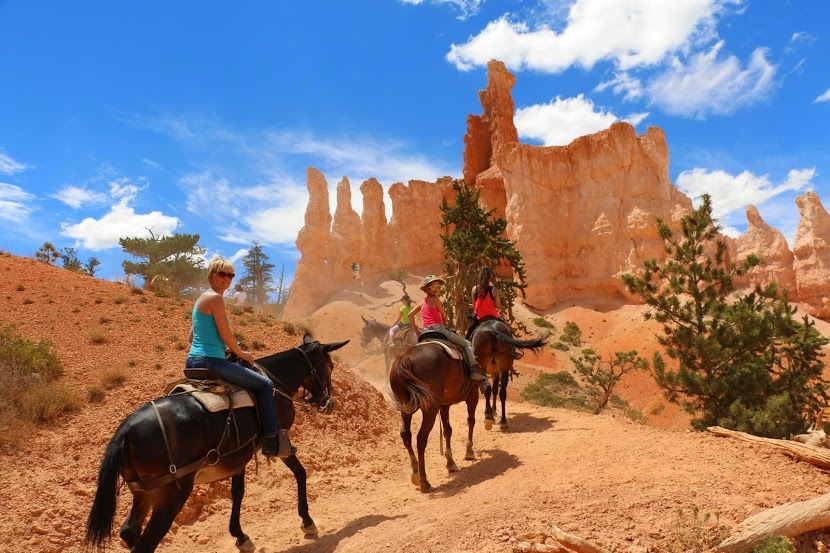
95, 393
99, 334
43, 403
119, 299
112, 376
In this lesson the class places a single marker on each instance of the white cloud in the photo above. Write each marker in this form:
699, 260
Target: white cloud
560, 121
9, 166
632, 33
77, 197
120, 222
623, 83
708, 84
14, 203
824, 97
732, 193
467, 7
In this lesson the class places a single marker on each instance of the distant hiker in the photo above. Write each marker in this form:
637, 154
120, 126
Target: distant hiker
210, 334
435, 320
356, 270
239, 296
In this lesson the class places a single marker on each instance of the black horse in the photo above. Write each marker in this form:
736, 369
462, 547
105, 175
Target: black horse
167, 445
493, 344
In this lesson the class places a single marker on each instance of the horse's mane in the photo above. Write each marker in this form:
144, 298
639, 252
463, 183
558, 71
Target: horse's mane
380, 325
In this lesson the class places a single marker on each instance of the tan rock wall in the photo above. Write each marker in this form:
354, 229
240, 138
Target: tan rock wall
812, 255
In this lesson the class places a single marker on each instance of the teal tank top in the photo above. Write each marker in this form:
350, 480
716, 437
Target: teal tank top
206, 339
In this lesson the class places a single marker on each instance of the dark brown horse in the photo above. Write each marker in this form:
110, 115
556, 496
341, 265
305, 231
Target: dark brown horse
493, 344
426, 377
161, 462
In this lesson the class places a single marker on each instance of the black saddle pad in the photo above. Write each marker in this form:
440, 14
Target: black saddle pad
432, 335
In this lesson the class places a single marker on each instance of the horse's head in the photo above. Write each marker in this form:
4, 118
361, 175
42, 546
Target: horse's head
318, 382
367, 334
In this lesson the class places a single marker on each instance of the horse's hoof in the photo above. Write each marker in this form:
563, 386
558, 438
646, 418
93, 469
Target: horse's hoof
504, 427
310, 530
488, 425
246, 545
452, 467
426, 489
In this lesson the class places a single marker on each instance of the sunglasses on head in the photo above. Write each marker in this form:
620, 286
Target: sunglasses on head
223, 274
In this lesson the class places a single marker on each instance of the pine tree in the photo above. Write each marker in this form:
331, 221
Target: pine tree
69, 257
743, 362
47, 253
176, 258
257, 278
476, 238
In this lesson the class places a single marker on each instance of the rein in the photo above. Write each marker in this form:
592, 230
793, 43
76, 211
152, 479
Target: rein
277, 380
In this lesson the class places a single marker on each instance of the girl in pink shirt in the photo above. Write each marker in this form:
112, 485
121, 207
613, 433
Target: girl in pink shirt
435, 320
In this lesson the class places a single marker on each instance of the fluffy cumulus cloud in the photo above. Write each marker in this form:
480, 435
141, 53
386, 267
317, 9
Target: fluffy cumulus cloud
120, 221
9, 166
630, 33
713, 83
467, 7
78, 196
562, 120
732, 193
14, 203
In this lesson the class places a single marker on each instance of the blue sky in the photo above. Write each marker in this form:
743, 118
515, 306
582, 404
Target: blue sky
202, 117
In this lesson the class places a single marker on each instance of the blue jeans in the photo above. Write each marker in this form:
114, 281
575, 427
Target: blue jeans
261, 386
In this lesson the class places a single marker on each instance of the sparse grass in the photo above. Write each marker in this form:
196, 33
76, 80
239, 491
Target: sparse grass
28, 301
119, 299
143, 299
98, 334
240, 339
557, 390
20, 287
43, 403
257, 345
112, 376
98, 299
695, 533
544, 323
159, 348
76, 309
104, 320
136, 291
95, 393
236, 311
180, 345
296, 327
775, 544
657, 410
131, 363
561, 346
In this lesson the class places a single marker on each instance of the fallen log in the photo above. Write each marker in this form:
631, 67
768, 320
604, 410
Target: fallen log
790, 519
817, 456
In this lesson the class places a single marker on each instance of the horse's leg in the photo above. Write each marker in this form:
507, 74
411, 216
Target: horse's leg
406, 437
427, 423
472, 403
167, 502
489, 416
503, 396
298, 470
243, 542
131, 529
445, 422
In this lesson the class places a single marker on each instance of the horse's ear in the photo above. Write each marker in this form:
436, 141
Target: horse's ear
364, 319
307, 339
331, 347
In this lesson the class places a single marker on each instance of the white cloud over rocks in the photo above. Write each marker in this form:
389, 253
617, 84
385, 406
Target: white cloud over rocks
731, 194
562, 120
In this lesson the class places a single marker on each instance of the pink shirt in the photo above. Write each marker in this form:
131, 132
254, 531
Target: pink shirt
485, 305
430, 315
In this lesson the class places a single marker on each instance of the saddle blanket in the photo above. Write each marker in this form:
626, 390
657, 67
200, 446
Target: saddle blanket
215, 399
451, 351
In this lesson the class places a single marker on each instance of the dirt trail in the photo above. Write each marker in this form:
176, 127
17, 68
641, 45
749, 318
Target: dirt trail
607, 479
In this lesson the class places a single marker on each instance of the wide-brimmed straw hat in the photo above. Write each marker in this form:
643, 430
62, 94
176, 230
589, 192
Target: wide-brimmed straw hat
429, 280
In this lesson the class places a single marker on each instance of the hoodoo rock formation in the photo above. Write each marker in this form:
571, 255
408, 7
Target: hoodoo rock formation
581, 215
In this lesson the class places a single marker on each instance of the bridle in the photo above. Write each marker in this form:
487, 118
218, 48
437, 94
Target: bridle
323, 400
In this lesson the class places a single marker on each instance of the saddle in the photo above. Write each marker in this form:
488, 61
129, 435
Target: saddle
212, 392
437, 338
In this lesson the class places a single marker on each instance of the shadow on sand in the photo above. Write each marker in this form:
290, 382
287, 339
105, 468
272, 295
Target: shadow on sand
328, 542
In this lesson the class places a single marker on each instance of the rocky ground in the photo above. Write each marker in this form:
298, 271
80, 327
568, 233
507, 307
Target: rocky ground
624, 485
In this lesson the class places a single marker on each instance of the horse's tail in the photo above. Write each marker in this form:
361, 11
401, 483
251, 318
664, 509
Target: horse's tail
534, 345
415, 392
99, 523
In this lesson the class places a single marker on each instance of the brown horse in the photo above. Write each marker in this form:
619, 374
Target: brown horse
493, 344
426, 377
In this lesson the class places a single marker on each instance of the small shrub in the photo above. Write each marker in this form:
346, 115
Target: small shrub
159, 348
99, 334
240, 339
20, 287
104, 320
95, 394
571, 334
289, 328
136, 291
157, 366
544, 323
98, 299
236, 311
257, 345
119, 299
180, 345
556, 390
76, 309
112, 376
43, 403
775, 544
131, 363
143, 299
561, 346
28, 301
